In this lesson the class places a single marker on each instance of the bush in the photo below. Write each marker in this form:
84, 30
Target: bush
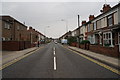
85, 42
72, 40
107, 45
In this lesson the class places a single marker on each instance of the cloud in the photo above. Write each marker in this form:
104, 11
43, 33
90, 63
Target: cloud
42, 14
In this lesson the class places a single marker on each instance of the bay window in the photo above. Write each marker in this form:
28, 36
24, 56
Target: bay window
91, 38
108, 39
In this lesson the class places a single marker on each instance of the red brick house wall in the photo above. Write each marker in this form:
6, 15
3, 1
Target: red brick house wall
15, 45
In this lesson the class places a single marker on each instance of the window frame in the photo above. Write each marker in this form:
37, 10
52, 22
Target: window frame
108, 18
107, 39
18, 27
94, 26
3, 39
7, 25
118, 37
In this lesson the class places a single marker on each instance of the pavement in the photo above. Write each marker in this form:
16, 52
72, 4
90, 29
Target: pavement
8, 56
57, 61
107, 59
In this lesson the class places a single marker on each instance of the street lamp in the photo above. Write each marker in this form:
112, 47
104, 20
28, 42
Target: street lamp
45, 31
66, 22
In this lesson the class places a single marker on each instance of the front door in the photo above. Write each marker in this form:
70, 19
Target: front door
119, 40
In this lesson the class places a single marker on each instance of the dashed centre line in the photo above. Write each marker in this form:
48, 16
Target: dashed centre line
54, 52
54, 59
54, 63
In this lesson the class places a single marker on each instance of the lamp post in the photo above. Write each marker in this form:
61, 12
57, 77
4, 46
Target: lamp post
45, 31
66, 22
78, 31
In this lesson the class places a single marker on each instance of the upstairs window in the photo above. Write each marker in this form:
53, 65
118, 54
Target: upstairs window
110, 20
88, 28
98, 24
18, 27
7, 26
94, 24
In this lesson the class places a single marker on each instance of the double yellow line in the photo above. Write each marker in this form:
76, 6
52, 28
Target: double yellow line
97, 62
17, 59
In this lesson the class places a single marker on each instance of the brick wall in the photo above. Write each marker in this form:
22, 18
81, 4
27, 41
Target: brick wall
110, 51
15, 45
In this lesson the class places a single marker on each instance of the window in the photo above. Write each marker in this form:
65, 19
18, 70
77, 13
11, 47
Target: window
18, 27
9, 39
108, 39
91, 38
7, 26
98, 24
110, 20
88, 28
81, 39
115, 17
94, 26
3, 38
119, 38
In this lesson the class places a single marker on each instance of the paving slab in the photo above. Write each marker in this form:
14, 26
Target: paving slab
107, 59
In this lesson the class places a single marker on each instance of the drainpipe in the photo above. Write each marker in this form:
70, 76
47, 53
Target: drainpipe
78, 31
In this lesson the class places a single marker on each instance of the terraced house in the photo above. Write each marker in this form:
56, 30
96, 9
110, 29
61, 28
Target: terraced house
16, 35
13, 30
103, 31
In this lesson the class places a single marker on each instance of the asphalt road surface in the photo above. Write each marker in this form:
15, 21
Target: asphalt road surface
55, 61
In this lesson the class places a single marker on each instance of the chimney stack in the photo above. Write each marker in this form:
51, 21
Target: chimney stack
30, 27
91, 17
83, 22
105, 8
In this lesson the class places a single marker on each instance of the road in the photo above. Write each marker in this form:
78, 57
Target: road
55, 61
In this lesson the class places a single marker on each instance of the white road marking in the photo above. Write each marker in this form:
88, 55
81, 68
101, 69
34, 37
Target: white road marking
54, 63
54, 48
54, 52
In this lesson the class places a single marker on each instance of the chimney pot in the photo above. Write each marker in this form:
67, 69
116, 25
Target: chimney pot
30, 27
106, 7
91, 17
83, 22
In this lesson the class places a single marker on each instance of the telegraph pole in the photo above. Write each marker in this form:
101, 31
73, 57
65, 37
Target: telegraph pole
78, 31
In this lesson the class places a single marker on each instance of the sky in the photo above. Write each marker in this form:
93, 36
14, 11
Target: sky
55, 14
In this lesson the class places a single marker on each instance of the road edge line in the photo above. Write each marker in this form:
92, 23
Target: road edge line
95, 61
18, 59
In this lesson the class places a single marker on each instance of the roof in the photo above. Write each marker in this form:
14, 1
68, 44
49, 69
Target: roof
11, 18
104, 13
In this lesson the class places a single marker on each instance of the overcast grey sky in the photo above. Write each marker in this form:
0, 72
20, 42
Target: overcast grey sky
42, 14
